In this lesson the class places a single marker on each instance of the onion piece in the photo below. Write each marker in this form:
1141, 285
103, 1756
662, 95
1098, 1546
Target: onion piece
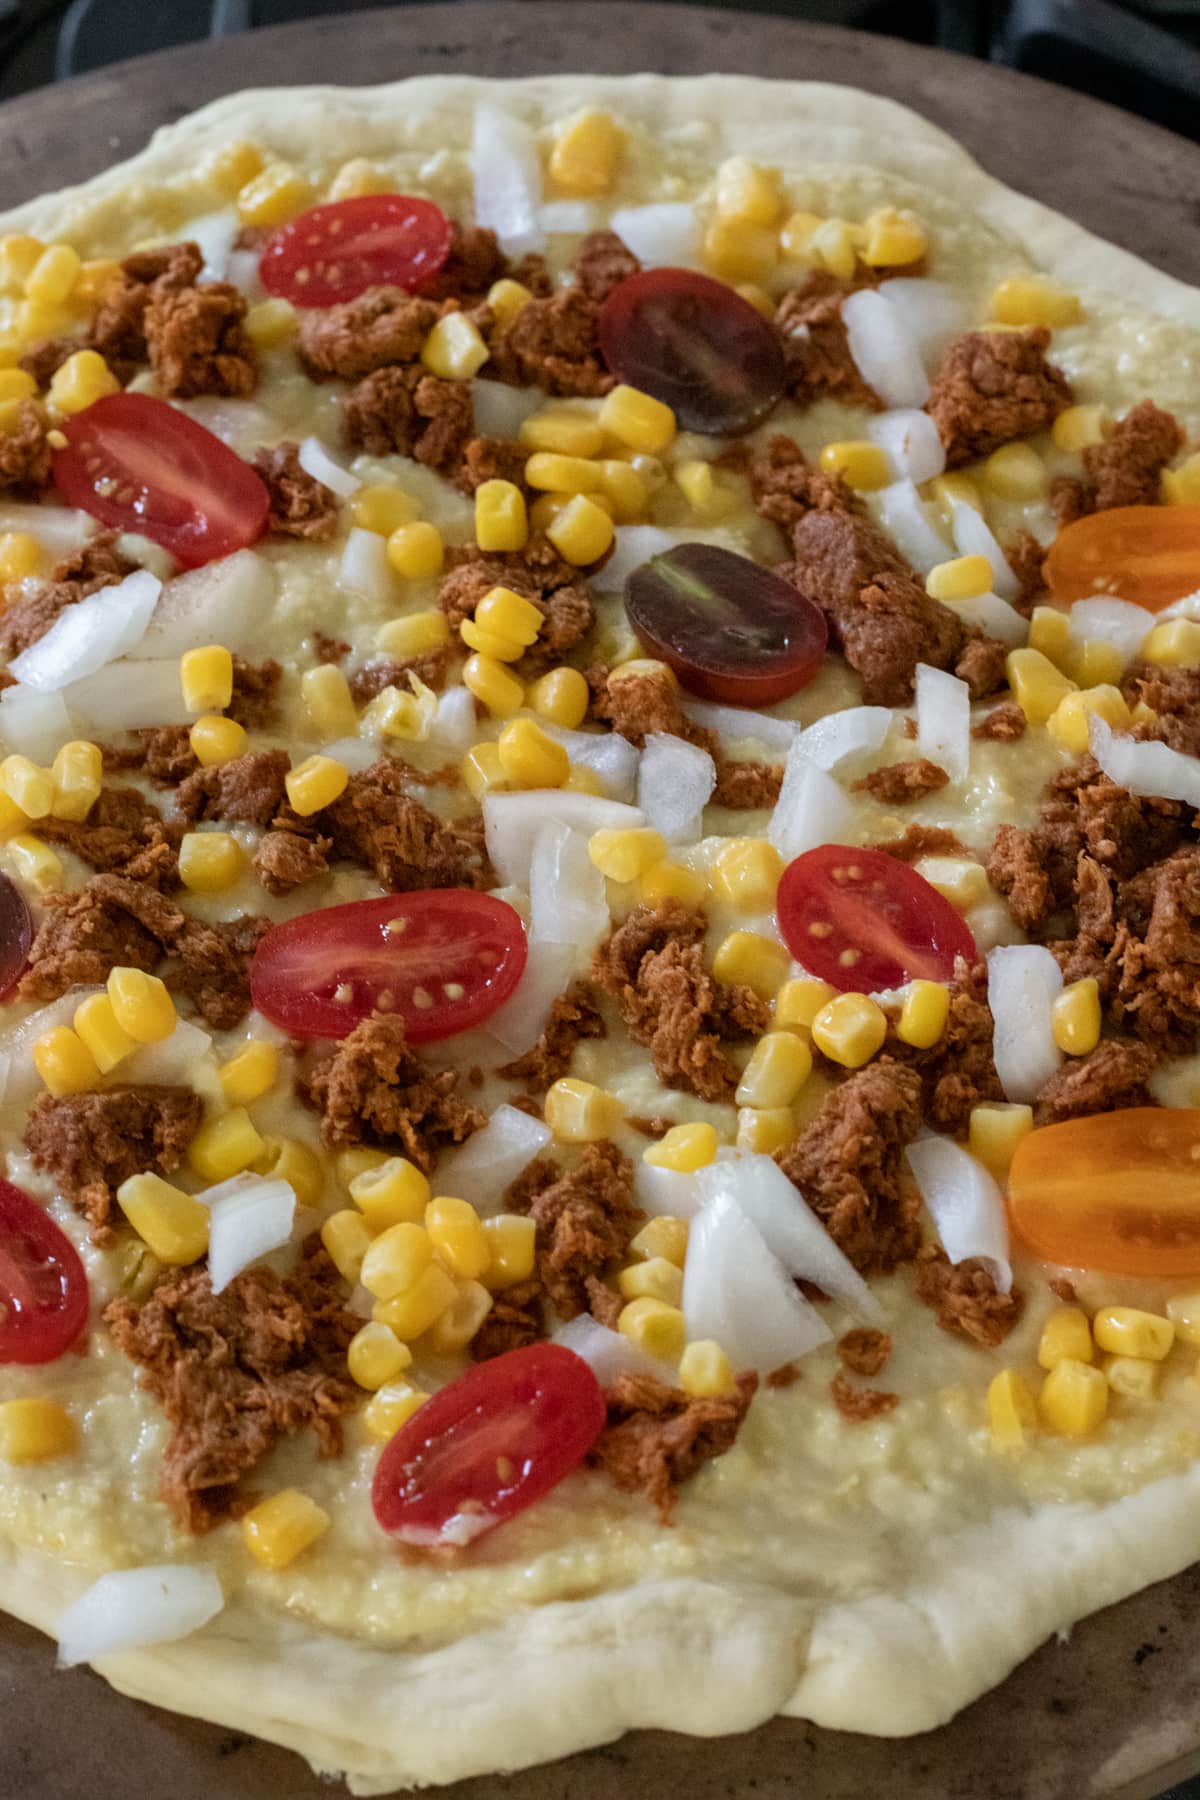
910, 440
89, 634
242, 270
994, 617
316, 461
855, 731
132, 1608
354, 753
364, 566
965, 1204
944, 720
1152, 770
973, 536
668, 1191
574, 217
227, 602
170, 1062
736, 1291
490, 1162
811, 809
214, 236
500, 410
675, 784
931, 312
735, 724
633, 545
1117, 622
250, 1217
1023, 983
568, 901
883, 349
58, 529
511, 823
23, 1079
606, 753
664, 234
608, 1353
508, 180
906, 518
128, 695
454, 724
34, 724
519, 1023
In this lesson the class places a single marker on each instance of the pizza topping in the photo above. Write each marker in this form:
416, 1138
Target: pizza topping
1111, 1076
601, 263
536, 573
91, 1143
284, 860
407, 412
657, 1437
129, 1609
900, 782
965, 1298
97, 565
1004, 724
197, 341
865, 1350
43, 1287
571, 1017
16, 935
25, 456
993, 386
749, 785
248, 789
301, 506
119, 328
375, 1090
865, 922
383, 326
816, 345
516, 1320
1124, 469
376, 823
858, 1405
784, 485
331, 253
957, 1072
121, 828
553, 344
585, 1218
1150, 553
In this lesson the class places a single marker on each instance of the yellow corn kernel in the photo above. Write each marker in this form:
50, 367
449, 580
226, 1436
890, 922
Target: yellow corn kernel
586, 153
411, 1313
956, 490
684, 1148
568, 434
1026, 300
376, 1356
416, 551
923, 1015
547, 507
636, 419
663, 1237
454, 349
390, 1192
250, 1074
1074, 1398
1068, 723
206, 677
754, 961
142, 1005
415, 633
64, 1062
357, 178
492, 644
798, 1002
861, 464
1080, 426
1050, 633
959, 579
1175, 644
457, 1236
529, 758
737, 251
1037, 686
210, 861
1012, 1413
11, 816
39, 319
1066, 1333
329, 702
957, 879
226, 1145
397, 1257
672, 881
35, 862
35, 1429
1094, 662
895, 237
493, 685
510, 615
457, 1325
27, 786
230, 168
834, 246
314, 783
560, 696
705, 1371
53, 275
392, 1407
481, 771
346, 1240
511, 1247
96, 1025
19, 256
501, 519
1133, 1377
796, 235
761, 1130
1016, 472
655, 1278
76, 774
1183, 1310
271, 324
747, 192
20, 556
700, 486
352, 1163
655, 1327
507, 298
577, 1112
558, 474
282, 1527
1126, 1331
216, 740
623, 855
1181, 486
996, 1128
82, 379
174, 1224
780, 1065
850, 1030
745, 874
273, 196
756, 297
624, 488
1075, 1017
287, 1159
382, 507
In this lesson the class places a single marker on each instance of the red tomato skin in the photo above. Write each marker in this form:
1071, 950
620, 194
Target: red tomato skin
931, 938
37, 1327
16, 935
488, 1445
298, 963
392, 240
204, 470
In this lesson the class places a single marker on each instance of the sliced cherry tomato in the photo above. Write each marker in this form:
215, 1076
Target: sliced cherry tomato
730, 629
331, 253
487, 1446
43, 1288
1118, 1191
16, 935
444, 959
139, 464
1147, 554
696, 345
863, 921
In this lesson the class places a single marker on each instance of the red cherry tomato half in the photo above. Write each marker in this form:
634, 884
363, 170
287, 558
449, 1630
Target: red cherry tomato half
730, 630
43, 1288
16, 935
331, 253
487, 1446
696, 345
862, 921
138, 464
444, 959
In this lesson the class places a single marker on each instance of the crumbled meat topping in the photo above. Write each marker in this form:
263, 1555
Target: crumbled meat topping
903, 781
379, 328
864, 1351
553, 344
656, 1437
301, 506
784, 486
376, 823
751, 786
254, 693
1026, 558
118, 831
25, 449
585, 1218
1124, 469
408, 412
572, 1016
957, 1073
993, 386
858, 1405
638, 704
1004, 724
430, 667
248, 789
1174, 695
119, 328
537, 573
816, 345
284, 860
197, 340
98, 564
492, 459
602, 263
965, 1298
91, 1143
375, 1090
1112, 1076
516, 1320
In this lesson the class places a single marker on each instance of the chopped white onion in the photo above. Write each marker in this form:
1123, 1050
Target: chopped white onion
883, 348
364, 566
910, 440
735, 724
855, 731
501, 410
607, 1353
128, 695
93, 632
508, 180
227, 602
58, 529
906, 518
241, 424
518, 1024
811, 809
1023, 983
736, 1291
994, 617
633, 545
214, 235
665, 233
511, 823
454, 723
1117, 622
667, 1192
250, 1217
973, 536
568, 901
132, 1608
316, 461
172, 1060
572, 216
354, 753
23, 1079
964, 1203
944, 720
675, 784
1152, 770
932, 313
34, 724
241, 268
606, 753
490, 1162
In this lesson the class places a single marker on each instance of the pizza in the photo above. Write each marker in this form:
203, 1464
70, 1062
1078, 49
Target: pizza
600, 905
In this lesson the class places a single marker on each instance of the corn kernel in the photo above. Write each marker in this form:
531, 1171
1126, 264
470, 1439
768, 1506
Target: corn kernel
18, 258
956, 490
529, 758
454, 349
1074, 1398
416, 551
747, 192
142, 1005
754, 961
39, 319
655, 1327
273, 196
481, 771
1183, 1310
1175, 644
501, 519
457, 1236
82, 379
1133, 1377
1016, 472
561, 696
1068, 723
761, 1130
1012, 1413
895, 238
962, 882
568, 434
346, 1240
206, 677
664, 1237
453, 1330
382, 507
850, 1030
96, 1024
352, 1163
1050, 633
756, 297
705, 1372
413, 634
20, 556
861, 464
796, 235
1075, 1017
637, 419
376, 1356
390, 1192
1030, 301
210, 861
492, 644
314, 783
250, 1074
834, 246
780, 1065
493, 685
64, 1062
35, 1429
1093, 662
507, 298
1066, 1333
698, 482
233, 166
76, 774
216, 740
684, 1148
329, 702
624, 489
623, 855
671, 881
174, 1224
11, 816
1181, 486
586, 153
798, 1002
1038, 687
271, 324
1126, 1331
560, 474
511, 1245
962, 578
1080, 426
35, 863
994, 1132
392, 1407
923, 1015
577, 1112
282, 1527
510, 615
737, 251
27, 786
53, 275
397, 1257
654, 1279
226, 1145
411, 1313
745, 874
287, 1159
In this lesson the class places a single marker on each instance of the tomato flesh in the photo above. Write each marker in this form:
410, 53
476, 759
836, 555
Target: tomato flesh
696, 345
1147, 554
43, 1287
863, 921
443, 958
332, 253
16, 935
139, 464
487, 1446
731, 630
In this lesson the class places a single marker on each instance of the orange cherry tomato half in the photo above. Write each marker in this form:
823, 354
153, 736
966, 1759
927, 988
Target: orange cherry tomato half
1119, 1191
1147, 554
